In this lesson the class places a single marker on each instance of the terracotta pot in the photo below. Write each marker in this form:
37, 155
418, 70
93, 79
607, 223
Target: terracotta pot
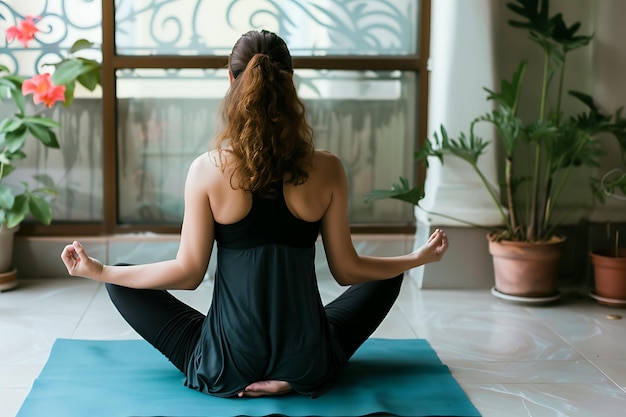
525, 269
610, 273
6, 248
8, 280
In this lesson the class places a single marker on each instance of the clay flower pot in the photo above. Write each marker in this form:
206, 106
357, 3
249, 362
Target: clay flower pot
8, 280
527, 270
609, 267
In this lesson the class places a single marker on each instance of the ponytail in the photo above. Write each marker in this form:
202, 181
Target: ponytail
265, 129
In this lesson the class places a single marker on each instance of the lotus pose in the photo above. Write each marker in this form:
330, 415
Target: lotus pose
264, 195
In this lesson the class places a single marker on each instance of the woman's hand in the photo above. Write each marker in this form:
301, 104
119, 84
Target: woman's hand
78, 263
433, 250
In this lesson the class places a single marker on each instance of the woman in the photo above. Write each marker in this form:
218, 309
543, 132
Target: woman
263, 194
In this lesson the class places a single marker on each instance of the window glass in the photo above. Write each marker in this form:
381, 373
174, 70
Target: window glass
310, 27
167, 118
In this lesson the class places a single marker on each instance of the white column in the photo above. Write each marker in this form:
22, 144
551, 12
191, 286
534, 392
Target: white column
461, 64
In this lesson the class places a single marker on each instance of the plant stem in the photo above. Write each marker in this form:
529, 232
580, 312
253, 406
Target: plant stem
508, 177
549, 201
532, 222
557, 193
544, 85
494, 197
560, 92
531, 229
478, 226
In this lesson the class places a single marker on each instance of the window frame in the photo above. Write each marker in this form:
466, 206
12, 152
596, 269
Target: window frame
111, 62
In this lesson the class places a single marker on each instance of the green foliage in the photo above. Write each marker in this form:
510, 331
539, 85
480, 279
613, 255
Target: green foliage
16, 129
559, 144
401, 191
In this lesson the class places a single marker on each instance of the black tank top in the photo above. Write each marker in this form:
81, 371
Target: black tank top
266, 320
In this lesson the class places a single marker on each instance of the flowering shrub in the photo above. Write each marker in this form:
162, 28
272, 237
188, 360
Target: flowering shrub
46, 89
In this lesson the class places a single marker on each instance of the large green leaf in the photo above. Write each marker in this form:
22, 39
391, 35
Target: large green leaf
19, 211
15, 139
7, 157
80, 45
7, 199
91, 78
534, 14
40, 209
10, 89
43, 121
69, 94
468, 148
6, 169
400, 191
45, 179
509, 128
44, 135
68, 71
509, 91
14, 84
11, 124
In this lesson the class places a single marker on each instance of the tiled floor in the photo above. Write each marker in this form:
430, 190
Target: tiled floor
567, 359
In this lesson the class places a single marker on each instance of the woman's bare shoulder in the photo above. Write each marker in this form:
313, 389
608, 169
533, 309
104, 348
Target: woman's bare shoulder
323, 159
205, 168
324, 153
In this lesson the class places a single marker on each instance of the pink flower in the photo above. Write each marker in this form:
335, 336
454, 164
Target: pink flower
43, 90
24, 32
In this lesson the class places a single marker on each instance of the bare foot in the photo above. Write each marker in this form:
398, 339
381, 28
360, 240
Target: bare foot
265, 388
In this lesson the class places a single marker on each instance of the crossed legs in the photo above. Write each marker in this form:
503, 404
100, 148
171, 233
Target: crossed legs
173, 327
161, 319
358, 312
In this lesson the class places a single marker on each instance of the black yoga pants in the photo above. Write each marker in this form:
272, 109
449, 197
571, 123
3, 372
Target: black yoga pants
173, 327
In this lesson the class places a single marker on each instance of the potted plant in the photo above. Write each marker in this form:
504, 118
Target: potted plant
17, 202
609, 261
526, 250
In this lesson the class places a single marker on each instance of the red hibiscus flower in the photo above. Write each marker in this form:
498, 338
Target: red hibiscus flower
24, 31
43, 90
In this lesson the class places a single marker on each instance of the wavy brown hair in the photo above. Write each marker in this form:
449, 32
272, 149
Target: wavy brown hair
264, 121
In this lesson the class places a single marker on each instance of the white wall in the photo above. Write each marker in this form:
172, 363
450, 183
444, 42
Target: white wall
609, 87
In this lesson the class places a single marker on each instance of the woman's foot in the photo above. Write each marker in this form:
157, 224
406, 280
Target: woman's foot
265, 388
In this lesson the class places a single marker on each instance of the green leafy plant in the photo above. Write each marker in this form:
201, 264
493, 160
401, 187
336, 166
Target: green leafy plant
16, 129
558, 143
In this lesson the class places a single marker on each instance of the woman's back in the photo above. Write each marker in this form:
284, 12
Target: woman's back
266, 316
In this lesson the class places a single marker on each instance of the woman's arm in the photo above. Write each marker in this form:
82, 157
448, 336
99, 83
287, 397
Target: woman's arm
186, 271
346, 265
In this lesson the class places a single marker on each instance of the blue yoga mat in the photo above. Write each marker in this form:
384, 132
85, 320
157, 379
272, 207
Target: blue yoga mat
130, 378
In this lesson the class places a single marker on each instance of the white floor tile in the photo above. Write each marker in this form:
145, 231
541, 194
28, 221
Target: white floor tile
11, 400
547, 400
513, 360
530, 372
18, 376
33, 316
615, 370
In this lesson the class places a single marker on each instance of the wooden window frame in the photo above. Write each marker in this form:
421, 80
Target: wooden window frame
111, 62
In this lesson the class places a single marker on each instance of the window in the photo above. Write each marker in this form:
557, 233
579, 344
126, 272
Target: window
359, 67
